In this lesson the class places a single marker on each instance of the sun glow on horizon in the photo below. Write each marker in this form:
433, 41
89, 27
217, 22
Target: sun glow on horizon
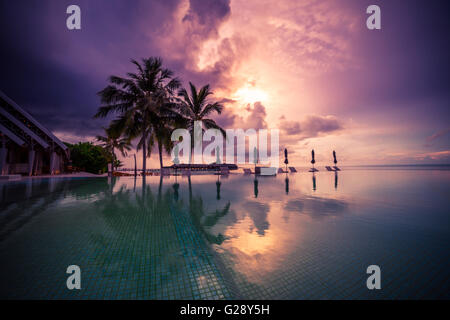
250, 95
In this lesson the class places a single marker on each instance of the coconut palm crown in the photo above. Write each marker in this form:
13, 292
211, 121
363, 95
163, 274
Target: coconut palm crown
196, 106
144, 104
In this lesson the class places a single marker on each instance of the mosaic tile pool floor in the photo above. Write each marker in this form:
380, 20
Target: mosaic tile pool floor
302, 238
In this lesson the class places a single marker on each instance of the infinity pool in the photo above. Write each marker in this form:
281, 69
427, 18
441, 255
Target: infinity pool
295, 236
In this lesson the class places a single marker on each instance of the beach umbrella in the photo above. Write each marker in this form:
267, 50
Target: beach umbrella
286, 157
312, 156
334, 156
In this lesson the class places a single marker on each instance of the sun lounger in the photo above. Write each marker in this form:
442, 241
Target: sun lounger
247, 171
329, 168
313, 170
292, 169
336, 168
280, 170
268, 171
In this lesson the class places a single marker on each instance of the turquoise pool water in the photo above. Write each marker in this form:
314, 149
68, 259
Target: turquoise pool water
308, 237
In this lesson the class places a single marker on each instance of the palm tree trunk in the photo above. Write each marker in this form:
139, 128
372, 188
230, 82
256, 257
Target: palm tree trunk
160, 155
112, 161
144, 156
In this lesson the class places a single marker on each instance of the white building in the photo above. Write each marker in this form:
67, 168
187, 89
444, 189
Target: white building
26, 146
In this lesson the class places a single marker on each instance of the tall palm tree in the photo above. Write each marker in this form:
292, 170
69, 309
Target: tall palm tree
162, 131
197, 107
143, 102
113, 141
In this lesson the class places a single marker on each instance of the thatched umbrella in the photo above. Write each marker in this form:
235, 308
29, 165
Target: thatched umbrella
286, 158
312, 156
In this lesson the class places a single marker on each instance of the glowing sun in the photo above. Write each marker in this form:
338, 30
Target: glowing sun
250, 95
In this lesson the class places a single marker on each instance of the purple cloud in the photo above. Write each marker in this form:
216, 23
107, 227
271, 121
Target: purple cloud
311, 126
437, 135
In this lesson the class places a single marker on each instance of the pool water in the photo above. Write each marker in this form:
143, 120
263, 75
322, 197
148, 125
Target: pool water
294, 236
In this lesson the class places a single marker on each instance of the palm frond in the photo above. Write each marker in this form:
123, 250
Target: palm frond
211, 124
210, 108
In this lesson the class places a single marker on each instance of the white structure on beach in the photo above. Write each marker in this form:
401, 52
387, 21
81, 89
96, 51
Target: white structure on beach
27, 147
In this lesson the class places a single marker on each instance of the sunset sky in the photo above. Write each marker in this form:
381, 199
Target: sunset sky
309, 68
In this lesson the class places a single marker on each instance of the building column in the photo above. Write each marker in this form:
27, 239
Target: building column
31, 156
38, 163
52, 162
3, 166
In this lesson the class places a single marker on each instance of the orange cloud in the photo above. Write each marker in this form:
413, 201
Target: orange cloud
439, 155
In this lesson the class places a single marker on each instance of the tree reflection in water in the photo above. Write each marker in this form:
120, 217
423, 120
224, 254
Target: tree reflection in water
203, 220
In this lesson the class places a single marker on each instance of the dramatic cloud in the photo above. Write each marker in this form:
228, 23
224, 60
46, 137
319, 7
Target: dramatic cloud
441, 156
253, 116
290, 127
295, 58
437, 135
311, 126
315, 34
206, 15
190, 40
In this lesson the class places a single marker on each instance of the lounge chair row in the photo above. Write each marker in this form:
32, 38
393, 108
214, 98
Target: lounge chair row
280, 170
222, 171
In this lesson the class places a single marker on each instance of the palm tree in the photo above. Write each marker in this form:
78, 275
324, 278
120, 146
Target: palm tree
162, 131
197, 107
144, 103
113, 141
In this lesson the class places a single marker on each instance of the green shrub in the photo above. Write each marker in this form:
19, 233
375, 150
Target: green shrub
88, 157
